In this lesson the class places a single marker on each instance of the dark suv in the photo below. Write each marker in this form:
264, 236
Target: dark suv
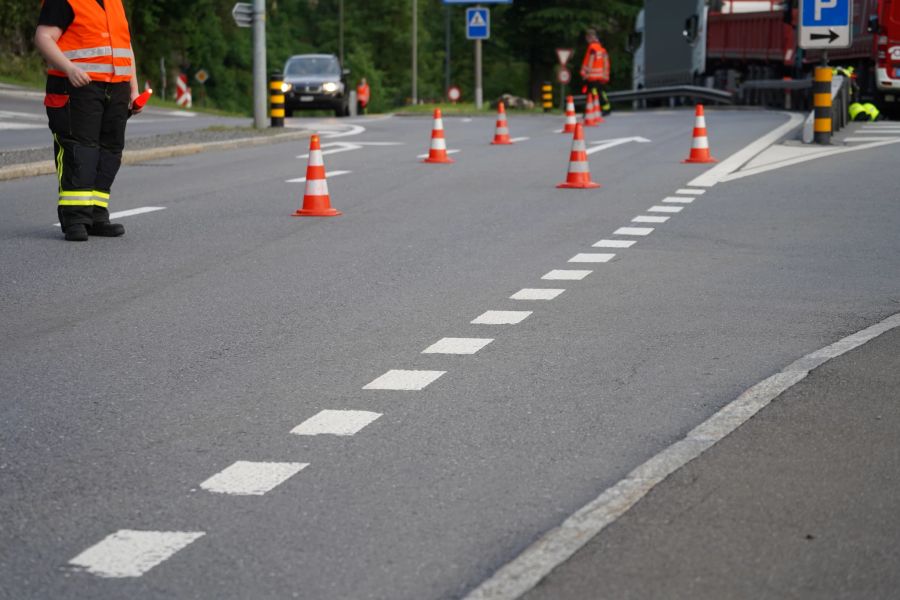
316, 81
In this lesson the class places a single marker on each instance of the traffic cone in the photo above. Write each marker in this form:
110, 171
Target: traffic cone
316, 201
700, 144
589, 114
501, 134
571, 119
438, 151
579, 172
598, 110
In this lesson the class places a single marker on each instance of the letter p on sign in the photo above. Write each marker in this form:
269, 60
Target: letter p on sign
822, 5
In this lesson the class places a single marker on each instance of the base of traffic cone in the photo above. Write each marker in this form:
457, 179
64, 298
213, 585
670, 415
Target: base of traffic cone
578, 186
445, 161
699, 160
316, 206
501, 143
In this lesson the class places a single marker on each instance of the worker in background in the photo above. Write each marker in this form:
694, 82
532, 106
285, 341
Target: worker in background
595, 68
362, 95
91, 84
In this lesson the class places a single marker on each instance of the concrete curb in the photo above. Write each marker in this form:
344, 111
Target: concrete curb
137, 156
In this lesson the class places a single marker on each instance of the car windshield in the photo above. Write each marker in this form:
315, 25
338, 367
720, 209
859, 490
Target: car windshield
313, 65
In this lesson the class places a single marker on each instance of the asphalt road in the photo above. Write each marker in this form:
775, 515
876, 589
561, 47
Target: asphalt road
135, 369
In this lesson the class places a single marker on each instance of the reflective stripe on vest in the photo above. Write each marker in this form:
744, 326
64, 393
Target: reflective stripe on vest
98, 41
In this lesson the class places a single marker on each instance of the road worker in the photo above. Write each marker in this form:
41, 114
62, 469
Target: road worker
595, 68
362, 95
91, 84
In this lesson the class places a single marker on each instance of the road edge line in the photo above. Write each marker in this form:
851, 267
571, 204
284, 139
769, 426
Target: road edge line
746, 154
35, 169
556, 546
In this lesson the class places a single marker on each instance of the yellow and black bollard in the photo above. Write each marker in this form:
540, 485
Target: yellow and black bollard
276, 99
822, 105
547, 96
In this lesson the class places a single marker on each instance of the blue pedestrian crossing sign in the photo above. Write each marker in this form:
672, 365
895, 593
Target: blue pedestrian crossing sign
478, 23
825, 24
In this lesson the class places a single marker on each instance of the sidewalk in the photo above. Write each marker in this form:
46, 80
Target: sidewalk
802, 501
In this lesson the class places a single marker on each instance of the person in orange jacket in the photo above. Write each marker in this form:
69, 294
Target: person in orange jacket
91, 88
362, 95
595, 68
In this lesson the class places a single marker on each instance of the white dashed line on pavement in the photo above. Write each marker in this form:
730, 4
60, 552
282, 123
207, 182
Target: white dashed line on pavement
519, 139
690, 192
129, 553
336, 422
457, 346
665, 209
536, 294
591, 258
647, 219
633, 231
245, 478
566, 275
502, 317
615, 244
328, 175
678, 200
399, 379
131, 212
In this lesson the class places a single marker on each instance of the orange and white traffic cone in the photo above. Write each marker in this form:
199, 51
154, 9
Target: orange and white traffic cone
579, 171
438, 151
590, 117
598, 111
316, 201
700, 144
501, 133
571, 119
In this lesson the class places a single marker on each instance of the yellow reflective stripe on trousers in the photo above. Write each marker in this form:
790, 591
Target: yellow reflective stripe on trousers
76, 199
101, 199
59, 163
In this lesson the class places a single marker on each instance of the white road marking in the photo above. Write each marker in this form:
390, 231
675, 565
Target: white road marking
536, 294
690, 192
615, 244
867, 139
10, 126
566, 275
734, 162
502, 317
131, 212
331, 131
338, 147
457, 346
328, 174
466, 120
245, 478
404, 380
591, 258
649, 219
601, 145
678, 199
665, 209
633, 231
336, 422
129, 553
519, 139
556, 546
448, 152
876, 130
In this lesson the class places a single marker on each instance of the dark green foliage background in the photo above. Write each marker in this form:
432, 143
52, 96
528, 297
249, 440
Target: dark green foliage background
201, 34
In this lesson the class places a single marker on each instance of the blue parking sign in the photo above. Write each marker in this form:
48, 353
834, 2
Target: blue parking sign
825, 24
478, 23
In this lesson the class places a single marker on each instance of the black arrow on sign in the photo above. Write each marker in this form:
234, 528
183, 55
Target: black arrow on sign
831, 35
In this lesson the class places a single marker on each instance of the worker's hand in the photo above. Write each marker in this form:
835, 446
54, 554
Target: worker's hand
77, 77
134, 109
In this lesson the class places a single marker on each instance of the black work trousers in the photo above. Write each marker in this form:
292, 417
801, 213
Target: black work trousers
88, 125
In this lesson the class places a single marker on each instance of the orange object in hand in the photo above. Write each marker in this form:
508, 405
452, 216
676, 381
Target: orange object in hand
141, 100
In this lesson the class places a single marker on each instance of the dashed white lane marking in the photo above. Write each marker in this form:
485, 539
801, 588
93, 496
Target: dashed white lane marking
502, 317
457, 346
880, 130
557, 545
690, 192
591, 258
131, 212
466, 120
519, 139
648, 219
633, 231
867, 139
336, 422
536, 294
245, 478
566, 275
129, 553
398, 379
678, 200
615, 244
665, 209
448, 152
328, 174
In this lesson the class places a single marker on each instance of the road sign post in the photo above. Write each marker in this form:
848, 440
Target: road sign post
254, 15
825, 24
478, 28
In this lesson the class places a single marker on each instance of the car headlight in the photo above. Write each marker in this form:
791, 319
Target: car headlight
286, 87
330, 87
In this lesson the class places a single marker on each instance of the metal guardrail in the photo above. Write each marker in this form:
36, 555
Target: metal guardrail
674, 91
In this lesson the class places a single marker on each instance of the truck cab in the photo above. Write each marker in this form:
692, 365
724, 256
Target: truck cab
886, 28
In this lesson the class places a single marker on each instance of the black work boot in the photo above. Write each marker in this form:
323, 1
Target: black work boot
76, 233
106, 229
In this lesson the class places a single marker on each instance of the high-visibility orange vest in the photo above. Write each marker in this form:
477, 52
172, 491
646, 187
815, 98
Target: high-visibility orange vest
98, 41
596, 63
362, 93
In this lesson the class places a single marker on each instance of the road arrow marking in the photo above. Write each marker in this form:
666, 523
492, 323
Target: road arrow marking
607, 144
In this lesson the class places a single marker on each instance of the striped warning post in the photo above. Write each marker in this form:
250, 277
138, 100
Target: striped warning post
822, 125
